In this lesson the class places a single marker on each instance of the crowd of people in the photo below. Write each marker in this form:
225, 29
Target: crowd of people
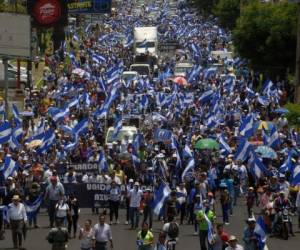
226, 138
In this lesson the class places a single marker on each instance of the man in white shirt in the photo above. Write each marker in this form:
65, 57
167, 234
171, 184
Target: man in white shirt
102, 234
233, 244
18, 218
135, 196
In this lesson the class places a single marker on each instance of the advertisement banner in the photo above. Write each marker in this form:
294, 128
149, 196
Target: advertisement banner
89, 6
48, 13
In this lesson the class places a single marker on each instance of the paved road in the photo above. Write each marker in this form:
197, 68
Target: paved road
124, 239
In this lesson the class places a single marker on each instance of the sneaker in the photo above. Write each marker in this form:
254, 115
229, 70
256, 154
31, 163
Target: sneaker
126, 222
117, 222
195, 233
226, 223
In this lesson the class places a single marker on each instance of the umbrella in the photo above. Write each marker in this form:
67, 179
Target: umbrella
180, 80
281, 111
207, 144
266, 152
34, 144
78, 71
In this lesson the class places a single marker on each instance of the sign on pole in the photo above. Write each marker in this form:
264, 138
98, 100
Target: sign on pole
15, 41
89, 6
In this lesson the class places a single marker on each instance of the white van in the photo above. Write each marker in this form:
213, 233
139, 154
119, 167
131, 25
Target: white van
129, 131
143, 69
182, 68
145, 39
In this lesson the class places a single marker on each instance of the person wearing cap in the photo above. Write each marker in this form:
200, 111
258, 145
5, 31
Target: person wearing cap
233, 245
54, 191
135, 195
148, 210
17, 218
225, 202
249, 237
145, 238
202, 217
129, 186
220, 238
114, 202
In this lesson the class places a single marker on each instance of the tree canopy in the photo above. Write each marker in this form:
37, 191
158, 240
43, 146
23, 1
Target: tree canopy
266, 35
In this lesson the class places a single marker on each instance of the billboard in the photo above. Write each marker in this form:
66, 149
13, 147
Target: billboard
89, 6
48, 13
15, 41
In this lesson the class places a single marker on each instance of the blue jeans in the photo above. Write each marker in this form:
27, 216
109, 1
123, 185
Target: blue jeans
134, 217
225, 208
236, 194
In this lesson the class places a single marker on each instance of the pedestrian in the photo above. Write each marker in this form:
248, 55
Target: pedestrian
220, 238
161, 244
145, 238
171, 229
102, 235
250, 201
54, 191
198, 205
249, 236
225, 202
62, 211
58, 237
34, 193
298, 207
17, 218
86, 235
181, 201
114, 202
135, 195
233, 245
203, 224
148, 210
73, 214
129, 186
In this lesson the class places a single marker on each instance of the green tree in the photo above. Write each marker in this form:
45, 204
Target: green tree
205, 6
266, 35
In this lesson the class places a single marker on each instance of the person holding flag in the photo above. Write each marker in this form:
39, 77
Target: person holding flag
206, 218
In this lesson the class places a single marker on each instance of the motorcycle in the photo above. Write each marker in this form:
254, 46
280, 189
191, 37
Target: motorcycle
283, 223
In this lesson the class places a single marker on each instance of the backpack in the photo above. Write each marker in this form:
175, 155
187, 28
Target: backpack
173, 231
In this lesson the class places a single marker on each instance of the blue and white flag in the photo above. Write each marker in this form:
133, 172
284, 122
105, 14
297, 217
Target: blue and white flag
224, 145
267, 88
260, 232
16, 114
206, 96
243, 150
273, 140
257, 168
295, 178
5, 132
9, 167
47, 142
117, 127
2, 108
32, 208
287, 165
59, 114
247, 126
102, 164
81, 127
210, 229
208, 73
189, 168
160, 195
187, 152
